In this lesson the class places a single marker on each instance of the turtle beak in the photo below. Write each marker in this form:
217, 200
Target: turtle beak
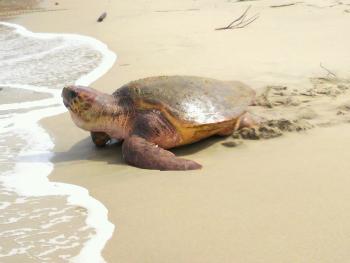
68, 94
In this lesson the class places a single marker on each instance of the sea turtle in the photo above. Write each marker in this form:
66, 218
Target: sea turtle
157, 113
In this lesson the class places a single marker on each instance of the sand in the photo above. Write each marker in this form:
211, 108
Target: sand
10, 95
279, 200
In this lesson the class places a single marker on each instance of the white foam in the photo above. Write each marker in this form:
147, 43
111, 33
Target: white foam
34, 160
4, 205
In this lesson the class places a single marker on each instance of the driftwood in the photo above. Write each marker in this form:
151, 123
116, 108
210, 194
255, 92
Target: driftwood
102, 17
241, 21
337, 3
330, 73
284, 5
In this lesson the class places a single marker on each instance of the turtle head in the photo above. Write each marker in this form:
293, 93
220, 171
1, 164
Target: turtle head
88, 107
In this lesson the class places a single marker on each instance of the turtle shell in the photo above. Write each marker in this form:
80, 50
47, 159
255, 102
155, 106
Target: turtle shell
191, 99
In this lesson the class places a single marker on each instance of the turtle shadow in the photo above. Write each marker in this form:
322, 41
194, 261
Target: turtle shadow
85, 150
112, 154
193, 148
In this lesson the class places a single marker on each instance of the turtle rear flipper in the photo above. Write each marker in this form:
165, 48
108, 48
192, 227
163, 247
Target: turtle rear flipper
141, 153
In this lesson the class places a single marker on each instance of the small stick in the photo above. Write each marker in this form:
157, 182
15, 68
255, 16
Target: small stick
102, 17
250, 20
284, 5
328, 71
241, 17
241, 21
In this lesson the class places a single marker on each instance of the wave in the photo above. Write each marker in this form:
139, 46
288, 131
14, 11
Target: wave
44, 63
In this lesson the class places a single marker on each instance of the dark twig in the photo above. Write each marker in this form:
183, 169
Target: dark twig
102, 17
337, 3
249, 21
241, 18
241, 21
284, 5
104, 14
328, 71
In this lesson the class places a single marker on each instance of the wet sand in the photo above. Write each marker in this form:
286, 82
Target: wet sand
10, 95
277, 200
12, 8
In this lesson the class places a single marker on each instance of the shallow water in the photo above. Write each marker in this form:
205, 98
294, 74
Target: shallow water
42, 221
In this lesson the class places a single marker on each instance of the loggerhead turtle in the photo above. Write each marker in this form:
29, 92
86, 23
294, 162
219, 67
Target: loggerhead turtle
154, 114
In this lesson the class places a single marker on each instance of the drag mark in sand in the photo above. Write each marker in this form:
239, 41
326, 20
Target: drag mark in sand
284, 109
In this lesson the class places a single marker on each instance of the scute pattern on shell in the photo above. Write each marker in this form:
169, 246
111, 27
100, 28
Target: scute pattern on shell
192, 99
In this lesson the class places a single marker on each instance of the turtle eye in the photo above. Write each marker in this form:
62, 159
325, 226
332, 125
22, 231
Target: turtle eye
72, 94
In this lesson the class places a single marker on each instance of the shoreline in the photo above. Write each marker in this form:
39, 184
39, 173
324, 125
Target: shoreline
268, 201
40, 166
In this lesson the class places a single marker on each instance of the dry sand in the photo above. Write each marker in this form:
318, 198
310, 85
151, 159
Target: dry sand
281, 200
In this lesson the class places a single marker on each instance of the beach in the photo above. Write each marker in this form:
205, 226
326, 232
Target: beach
278, 200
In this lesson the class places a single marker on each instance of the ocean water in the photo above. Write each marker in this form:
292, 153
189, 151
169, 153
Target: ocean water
43, 221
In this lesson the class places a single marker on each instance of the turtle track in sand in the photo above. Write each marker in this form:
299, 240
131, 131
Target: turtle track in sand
286, 109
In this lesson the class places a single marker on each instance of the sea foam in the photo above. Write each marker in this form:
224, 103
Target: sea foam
44, 63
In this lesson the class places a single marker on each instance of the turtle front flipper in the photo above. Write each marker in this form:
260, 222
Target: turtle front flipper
144, 154
100, 139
